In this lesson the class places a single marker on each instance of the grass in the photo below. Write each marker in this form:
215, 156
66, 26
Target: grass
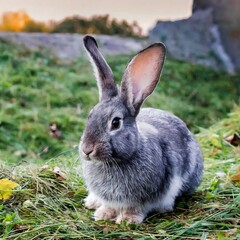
37, 90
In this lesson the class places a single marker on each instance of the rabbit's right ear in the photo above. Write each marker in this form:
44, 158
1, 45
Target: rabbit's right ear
141, 76
106, 85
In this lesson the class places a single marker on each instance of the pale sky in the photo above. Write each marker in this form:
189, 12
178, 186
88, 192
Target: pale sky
145, 12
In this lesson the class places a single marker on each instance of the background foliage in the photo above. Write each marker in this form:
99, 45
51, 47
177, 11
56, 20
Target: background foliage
21, 22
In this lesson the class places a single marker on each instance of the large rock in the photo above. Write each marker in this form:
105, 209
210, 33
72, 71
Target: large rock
211, 36
225, 14
188, 39
68, 47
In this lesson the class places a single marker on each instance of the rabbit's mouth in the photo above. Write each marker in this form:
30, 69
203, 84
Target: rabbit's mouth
90, 157
84, 156
103, 157
100, 152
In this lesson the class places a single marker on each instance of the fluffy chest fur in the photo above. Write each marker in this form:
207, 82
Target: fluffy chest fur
131, 182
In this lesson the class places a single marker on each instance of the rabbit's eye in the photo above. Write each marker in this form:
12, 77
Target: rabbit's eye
116, 123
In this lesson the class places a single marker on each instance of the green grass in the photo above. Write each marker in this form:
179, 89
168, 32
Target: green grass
47, 208
36, 90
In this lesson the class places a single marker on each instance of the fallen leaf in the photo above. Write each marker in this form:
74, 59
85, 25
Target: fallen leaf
233, 140
236, 177
54, 131
21, 227
56, 171
59, 174
6, 188
215, 150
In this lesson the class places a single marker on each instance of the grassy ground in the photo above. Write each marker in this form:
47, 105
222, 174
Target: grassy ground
36, 91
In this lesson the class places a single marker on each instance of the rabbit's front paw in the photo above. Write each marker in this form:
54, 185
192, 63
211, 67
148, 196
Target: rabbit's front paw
104, 212
130, 217
91, 202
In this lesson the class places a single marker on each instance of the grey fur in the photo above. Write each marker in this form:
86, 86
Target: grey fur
106, 85
140, 167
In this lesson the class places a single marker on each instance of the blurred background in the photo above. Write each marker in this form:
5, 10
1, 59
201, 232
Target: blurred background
47, 85
208, 32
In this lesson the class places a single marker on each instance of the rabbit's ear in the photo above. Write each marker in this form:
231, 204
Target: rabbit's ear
141, 76
106, 85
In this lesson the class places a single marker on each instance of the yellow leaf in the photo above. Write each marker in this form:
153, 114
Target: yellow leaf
6, 187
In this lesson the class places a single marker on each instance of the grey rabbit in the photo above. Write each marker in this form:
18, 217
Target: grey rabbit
135, 160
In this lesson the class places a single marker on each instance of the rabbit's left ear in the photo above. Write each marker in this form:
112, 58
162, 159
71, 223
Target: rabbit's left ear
141, 76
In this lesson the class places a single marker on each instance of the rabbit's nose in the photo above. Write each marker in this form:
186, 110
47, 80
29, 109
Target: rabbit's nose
87, 148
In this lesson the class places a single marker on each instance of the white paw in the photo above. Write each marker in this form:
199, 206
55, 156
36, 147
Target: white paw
91, 202
130, 217
104, 212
